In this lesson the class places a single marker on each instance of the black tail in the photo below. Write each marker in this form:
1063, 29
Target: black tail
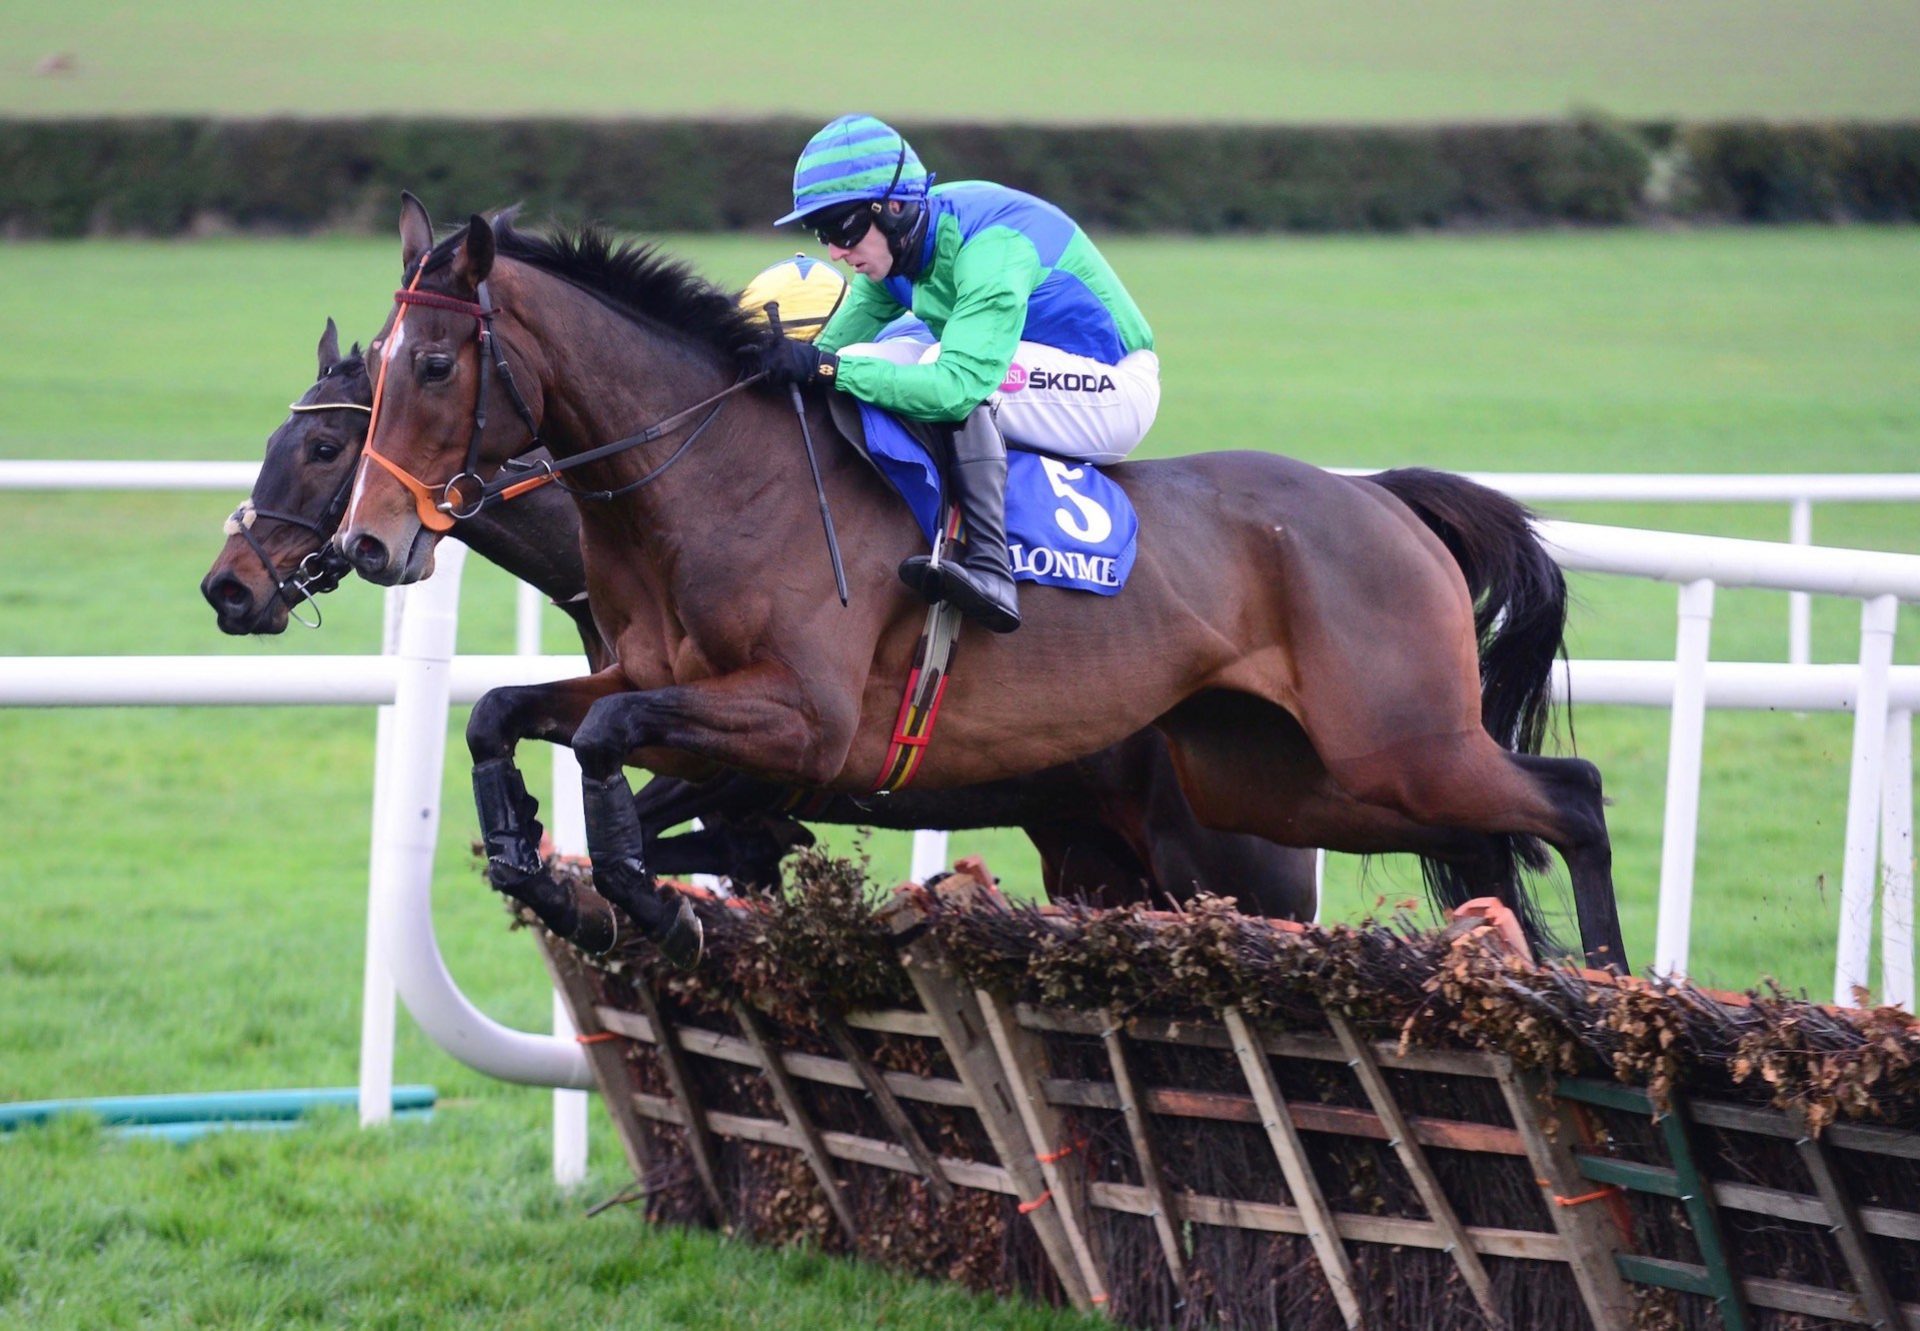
1520, 615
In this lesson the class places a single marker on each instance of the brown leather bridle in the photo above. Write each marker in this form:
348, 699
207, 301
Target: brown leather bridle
439, 509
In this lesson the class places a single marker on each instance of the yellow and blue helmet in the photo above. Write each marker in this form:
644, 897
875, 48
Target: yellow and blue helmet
855, 158
804, 292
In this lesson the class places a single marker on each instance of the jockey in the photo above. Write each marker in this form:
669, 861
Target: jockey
1038, 339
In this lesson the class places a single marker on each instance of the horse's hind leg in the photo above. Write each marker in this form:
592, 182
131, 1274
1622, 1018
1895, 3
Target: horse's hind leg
1267, 879
1573, 784
1247, 766
1086, 860
1465, 780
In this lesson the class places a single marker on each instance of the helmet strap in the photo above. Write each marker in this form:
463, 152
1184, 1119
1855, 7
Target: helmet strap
904, 223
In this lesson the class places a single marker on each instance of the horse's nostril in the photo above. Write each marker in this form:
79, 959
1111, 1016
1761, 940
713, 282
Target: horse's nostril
368, 553
229, 594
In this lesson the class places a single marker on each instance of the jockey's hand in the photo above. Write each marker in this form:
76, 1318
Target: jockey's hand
791, 361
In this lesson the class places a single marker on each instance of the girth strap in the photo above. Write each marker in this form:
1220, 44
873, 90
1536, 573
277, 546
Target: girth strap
926, 685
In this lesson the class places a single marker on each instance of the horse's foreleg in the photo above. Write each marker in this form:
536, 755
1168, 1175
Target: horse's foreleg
509, 823
1084, 859
757, 718
667, 800
746, 849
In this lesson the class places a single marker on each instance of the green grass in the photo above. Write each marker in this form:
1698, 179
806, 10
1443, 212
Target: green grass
184, 896
452, 1223
1237, 60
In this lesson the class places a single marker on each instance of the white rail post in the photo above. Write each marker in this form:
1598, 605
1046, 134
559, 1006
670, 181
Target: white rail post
526, 619
1896, 863
569, 1107
376, 989
404, 857
569, 821
1877, 619
1684, 742
569, 827
929, 855
1800, 604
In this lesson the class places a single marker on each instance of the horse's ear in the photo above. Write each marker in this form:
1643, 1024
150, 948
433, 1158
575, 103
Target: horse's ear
329, 348
474, 259
416, 230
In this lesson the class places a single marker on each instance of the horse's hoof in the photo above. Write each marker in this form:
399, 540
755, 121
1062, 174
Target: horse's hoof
684, 939
596, 928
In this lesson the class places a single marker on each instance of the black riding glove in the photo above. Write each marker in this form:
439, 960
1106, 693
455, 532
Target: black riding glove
791, 361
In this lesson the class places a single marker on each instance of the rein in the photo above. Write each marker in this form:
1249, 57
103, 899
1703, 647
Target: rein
438, 512
503, 488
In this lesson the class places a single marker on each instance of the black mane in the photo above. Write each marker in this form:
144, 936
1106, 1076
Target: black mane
634, 279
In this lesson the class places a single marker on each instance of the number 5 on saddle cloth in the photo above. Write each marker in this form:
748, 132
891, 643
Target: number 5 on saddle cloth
1067, 524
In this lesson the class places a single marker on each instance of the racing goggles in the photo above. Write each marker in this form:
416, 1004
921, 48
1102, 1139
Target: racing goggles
843, 227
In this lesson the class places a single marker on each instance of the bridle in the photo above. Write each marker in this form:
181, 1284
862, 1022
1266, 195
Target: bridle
439, 512
321, 571
439, 509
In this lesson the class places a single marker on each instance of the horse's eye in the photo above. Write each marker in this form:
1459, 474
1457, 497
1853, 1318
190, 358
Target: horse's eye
323, 450
435, 368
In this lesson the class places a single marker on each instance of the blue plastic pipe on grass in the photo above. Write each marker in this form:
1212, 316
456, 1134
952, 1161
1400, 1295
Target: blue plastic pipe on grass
217, 1107
186, 1132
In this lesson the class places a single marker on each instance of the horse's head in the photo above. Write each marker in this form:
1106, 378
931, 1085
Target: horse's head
446, 413
276, 553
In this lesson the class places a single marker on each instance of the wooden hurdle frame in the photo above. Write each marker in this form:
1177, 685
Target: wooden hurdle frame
1003, 1074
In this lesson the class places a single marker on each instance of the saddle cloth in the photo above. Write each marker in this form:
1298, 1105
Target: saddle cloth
1067, 524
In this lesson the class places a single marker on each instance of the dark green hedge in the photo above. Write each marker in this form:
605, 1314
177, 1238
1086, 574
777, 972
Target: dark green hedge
1794, 173
164, 176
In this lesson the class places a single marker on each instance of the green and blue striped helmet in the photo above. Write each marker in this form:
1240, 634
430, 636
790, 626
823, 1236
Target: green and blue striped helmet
855, 157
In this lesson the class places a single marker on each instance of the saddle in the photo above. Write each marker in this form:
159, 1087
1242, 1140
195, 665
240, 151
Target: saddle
850, 421
1068, 524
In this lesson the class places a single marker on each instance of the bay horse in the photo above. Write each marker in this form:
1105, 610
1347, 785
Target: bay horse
1110, 828
1307, 644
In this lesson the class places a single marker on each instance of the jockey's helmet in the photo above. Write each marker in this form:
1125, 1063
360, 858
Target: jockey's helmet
858, 172
804, 292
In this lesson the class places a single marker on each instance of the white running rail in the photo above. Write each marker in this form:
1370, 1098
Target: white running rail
420, 678
1799, 491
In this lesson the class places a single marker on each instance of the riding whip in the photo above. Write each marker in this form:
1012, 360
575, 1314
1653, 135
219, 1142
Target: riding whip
813, 464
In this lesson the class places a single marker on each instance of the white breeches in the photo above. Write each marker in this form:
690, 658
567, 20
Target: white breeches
1056, 402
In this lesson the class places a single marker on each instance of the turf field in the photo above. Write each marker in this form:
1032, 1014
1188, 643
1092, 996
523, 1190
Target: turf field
185, 897
1236, 60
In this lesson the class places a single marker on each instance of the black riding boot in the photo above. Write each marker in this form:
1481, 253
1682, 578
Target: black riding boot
980, 582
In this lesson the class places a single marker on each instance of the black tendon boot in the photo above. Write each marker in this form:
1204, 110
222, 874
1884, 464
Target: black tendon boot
979, 583
511, 828
620, 871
